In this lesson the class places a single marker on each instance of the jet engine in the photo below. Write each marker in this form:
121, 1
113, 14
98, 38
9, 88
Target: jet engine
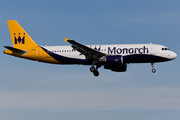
114, 63
117, 68
112, 59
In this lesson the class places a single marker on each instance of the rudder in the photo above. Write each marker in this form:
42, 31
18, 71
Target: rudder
20, 38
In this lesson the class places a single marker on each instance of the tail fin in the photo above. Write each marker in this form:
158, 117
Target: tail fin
20, 38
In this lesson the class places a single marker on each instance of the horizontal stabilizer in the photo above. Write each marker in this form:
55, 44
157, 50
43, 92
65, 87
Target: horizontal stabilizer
15, 50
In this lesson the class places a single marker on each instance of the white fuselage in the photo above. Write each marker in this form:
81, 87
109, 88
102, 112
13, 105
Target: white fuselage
121, 49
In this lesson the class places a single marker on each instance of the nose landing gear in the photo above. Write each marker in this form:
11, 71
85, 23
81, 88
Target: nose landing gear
153, 70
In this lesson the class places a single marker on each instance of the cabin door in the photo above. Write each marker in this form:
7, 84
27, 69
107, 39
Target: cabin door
38, 52
153, 49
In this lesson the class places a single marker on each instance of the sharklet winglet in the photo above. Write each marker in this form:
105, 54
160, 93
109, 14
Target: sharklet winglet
65, 39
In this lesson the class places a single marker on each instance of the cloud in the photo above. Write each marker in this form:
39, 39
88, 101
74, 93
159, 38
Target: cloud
138, 98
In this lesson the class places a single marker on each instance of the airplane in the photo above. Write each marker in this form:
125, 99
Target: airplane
114, 57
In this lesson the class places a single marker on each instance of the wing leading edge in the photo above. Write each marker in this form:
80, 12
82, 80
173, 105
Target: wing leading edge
88, 52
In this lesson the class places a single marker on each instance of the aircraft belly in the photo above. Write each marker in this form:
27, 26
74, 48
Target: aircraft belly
143, 58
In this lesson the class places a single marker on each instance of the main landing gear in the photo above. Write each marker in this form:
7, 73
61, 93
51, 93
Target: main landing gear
153, 70
95, 70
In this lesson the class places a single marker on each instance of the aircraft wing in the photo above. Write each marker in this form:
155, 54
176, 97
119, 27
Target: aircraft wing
84, 50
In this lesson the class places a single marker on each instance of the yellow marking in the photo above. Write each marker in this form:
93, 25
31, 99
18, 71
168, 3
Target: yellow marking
21, 40
32, 55
65, 39
8, 52
19, 36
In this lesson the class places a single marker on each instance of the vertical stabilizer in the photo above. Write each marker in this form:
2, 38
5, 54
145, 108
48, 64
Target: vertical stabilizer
20, 38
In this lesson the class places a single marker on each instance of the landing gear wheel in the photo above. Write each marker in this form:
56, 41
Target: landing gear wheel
153, 70
95, 70
96, 73
92, 69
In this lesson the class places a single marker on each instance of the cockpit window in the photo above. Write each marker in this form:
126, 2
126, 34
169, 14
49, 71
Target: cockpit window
165, 49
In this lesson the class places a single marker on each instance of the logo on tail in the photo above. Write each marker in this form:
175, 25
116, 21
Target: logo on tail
19, 39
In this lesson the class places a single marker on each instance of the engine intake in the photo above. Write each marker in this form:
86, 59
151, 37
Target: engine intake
112, 60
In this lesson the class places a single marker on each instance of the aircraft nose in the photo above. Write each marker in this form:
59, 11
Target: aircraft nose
174, 55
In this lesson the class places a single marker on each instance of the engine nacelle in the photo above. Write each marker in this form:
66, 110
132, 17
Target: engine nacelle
112, 59
114, 63
117, 68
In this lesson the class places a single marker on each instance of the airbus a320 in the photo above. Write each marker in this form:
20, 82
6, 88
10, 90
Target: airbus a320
113, 57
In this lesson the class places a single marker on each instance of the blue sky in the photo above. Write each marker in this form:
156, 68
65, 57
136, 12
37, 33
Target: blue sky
32, 90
